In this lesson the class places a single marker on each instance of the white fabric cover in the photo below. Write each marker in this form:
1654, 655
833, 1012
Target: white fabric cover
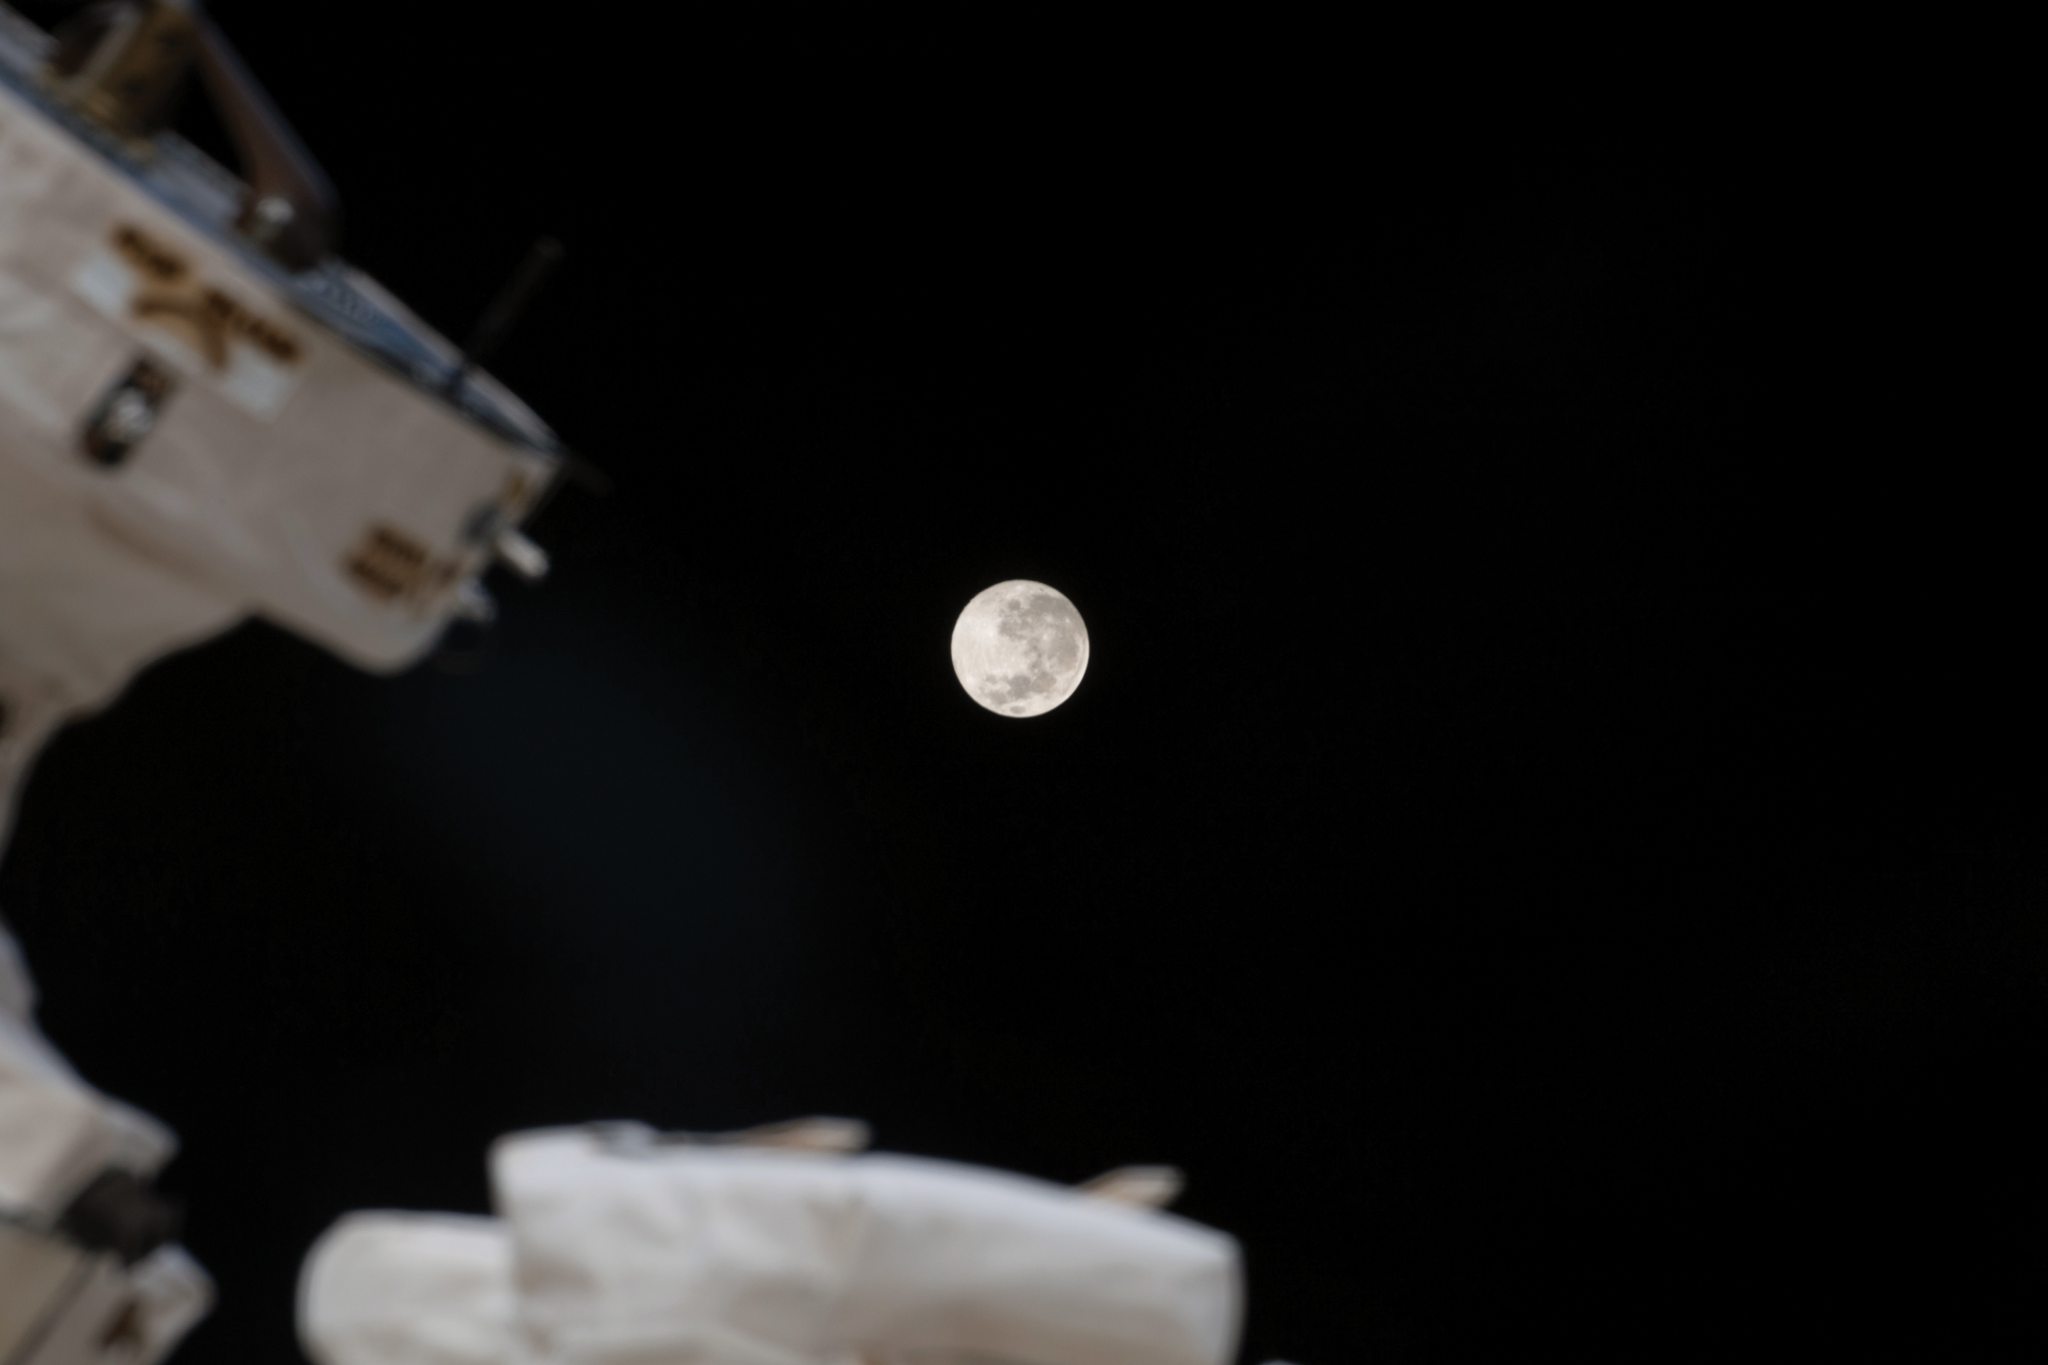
65, 1322
57, 1132
174, 1294
17, 987
410, 1289
81, 611
280, 464
83, 605
266, 496
957, 1258
743, 1256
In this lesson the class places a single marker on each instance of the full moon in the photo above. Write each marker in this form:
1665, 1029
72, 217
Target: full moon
1020, 648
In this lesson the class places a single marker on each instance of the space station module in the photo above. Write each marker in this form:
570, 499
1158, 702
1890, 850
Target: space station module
617, 1245
204, 416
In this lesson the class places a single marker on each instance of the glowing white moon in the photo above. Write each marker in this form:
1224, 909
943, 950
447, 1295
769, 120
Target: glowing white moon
1020, 648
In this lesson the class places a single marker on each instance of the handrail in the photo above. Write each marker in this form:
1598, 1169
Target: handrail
292, 209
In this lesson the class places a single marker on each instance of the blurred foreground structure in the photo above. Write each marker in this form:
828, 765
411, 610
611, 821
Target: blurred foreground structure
88, 1268
200, 423
204, 415
616, 1244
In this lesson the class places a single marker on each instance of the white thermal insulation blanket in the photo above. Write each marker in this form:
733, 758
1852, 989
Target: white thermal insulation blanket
609, 1255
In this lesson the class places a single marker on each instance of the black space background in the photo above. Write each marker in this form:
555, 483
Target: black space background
1549, 838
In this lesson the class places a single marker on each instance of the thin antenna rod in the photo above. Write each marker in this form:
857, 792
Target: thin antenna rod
506, 308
